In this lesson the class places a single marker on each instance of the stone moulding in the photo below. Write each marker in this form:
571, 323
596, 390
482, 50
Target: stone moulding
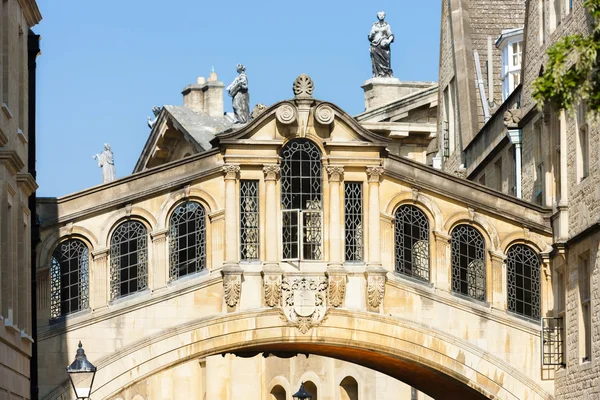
304, 301
286, 113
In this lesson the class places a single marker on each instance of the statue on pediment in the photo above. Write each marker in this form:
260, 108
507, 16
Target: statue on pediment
238, 90
107, 163
155, 111
381, 37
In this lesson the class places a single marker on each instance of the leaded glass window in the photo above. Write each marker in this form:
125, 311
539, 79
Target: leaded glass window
187, 240
468, 262
302, 214
69, 281
411, 231
249, 223
128, 259
523, 273
353, 221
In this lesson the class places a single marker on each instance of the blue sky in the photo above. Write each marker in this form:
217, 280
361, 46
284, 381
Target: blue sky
104, 64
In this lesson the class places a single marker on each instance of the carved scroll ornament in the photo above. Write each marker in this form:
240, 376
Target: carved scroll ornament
272, 285
336, 290
232, 288
375, 289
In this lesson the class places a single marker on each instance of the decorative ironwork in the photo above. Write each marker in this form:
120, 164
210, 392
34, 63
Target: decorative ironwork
187, 240
468, 262
411, 231
523, 273
301, 194
353, 221
249, 223
553, 341
69, 278
128, 259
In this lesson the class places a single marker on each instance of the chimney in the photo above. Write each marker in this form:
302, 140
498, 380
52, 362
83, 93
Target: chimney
205, 96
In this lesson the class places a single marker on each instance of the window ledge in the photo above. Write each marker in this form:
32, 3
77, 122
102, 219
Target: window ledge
26, 337
129, 297
21, 136
187, 278
6, 110
72, 315
585, 365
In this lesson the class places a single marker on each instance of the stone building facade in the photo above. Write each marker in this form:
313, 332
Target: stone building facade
211, 271
18, 49
554, 154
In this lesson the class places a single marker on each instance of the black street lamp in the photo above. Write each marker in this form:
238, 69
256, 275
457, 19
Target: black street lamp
302, 394
81, 373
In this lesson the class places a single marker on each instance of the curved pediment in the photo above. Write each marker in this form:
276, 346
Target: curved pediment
304, 116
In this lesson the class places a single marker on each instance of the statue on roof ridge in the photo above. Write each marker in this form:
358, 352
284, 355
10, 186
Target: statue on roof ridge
155, 111
381, 37
107, 163
238, 90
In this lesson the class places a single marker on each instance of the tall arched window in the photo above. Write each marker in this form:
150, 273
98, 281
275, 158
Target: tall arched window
411, 231
128, 259
301, 201
348, 389
187, 240
69, 281
523, 273
468, 262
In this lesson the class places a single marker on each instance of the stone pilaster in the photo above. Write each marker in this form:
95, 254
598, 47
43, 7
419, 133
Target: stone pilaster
232, 173
374, 175
271, 172
497, 285
99, 280
547, 287
442, 274
336, 174
160, 263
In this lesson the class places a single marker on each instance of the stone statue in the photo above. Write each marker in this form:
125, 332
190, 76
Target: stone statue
155, 111
238, 90
107, 163
381, 37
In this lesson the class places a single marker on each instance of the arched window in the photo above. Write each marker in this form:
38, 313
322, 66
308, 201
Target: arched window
349, 389
278, 393
69, 281
301, 201
468, 262
128, 259
187, 240
312, 389
411, 230
523, 273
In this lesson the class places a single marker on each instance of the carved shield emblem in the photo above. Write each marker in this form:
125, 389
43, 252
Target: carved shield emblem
304, 302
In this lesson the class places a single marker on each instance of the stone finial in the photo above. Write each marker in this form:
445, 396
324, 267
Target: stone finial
303, 87
258, 109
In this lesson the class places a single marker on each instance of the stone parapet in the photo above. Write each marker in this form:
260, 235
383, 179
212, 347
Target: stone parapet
380, 91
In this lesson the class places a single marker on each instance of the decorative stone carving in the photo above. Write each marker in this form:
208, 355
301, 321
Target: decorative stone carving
303, 86
106, 161
324, 114
238, 90
336, 290
286, 113
381, 37
512, 118
272, 285
304, 301
375, 289
374, 173
231, 171
232, 288
271, 172
258, 109
155, 111
335, 172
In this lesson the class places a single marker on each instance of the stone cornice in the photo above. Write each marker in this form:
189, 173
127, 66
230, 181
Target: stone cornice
11, 159
27, 183
31, 12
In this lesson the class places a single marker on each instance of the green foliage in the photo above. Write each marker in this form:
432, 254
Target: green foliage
573, 70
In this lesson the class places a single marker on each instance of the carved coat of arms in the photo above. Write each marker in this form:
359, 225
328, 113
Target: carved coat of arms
304, 301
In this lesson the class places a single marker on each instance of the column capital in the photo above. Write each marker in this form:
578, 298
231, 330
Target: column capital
100, 254
159, 235
231, 171
441, 236
271, 171
335, 172
374, 174
497, 256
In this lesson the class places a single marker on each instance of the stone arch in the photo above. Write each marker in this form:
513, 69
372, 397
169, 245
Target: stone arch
349, 388
425, 204
403, 349
480, 222
175, 198
48, 245
282, 382
316, 140
531, 239
135, 213
311, 387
